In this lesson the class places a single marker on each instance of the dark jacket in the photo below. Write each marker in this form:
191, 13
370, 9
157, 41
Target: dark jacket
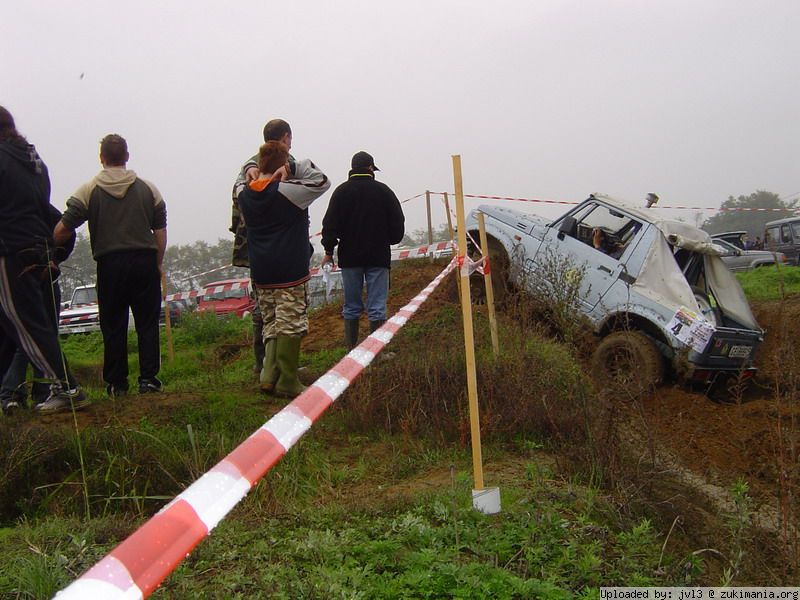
238, 227
364, 218
277, 226
24, 198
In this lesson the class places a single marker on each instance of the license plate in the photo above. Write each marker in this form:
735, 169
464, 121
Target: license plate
740, 351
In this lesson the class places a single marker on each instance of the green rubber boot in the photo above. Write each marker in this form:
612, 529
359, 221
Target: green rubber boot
269, 371
258, 345
375, 325
351, 333
287, 355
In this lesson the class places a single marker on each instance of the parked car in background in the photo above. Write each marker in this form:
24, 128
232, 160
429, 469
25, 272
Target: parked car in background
656, 291
783, 235
744, 260
229, 296
80, 314
732, 237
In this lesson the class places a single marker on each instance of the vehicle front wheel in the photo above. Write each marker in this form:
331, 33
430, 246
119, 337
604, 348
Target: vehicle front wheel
498, 260
628, 362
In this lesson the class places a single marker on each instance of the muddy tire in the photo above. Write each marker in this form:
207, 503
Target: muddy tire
498, 260
628, 363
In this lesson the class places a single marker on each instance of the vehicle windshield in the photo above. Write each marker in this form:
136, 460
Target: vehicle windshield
85, 296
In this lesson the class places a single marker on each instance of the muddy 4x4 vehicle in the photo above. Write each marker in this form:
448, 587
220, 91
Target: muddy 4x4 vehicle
656, 291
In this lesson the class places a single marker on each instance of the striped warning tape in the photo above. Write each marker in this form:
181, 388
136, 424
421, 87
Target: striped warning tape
674, 206
136, 567
398, 254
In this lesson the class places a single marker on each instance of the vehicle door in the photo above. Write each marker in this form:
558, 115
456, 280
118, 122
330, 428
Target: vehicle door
735, 259
601, 268
793, 248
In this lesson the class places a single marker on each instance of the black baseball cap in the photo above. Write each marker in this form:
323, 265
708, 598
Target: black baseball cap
363, 160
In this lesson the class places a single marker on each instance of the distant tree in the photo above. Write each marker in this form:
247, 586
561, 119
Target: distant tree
185, 265
419, 237
747, 220
79, 269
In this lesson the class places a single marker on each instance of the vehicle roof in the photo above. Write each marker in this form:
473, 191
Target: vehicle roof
724, 233
671, 228
782, 221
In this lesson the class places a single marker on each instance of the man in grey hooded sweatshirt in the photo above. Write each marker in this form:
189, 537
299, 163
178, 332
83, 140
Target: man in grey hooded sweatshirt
128, 233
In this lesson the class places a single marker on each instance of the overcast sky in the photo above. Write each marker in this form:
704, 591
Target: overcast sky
692, 100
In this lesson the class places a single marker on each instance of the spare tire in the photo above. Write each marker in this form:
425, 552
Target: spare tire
627, 362
710, 312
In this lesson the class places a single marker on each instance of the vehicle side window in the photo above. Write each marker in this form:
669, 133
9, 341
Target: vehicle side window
616, 230
771, 236
796, 231
786, 234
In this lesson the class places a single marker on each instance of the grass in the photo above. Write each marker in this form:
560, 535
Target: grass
770, 283
374, 502
548, 542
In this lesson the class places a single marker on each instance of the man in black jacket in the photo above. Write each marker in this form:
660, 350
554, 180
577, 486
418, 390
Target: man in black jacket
27, 259
364, 219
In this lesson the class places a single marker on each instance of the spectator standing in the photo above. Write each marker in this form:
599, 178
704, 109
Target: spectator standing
128, 234
280, 131
275, 208
13, 390
364, 219
27, 266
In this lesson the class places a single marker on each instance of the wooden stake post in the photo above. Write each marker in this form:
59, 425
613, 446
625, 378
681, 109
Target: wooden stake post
430, 224
487, 279
469, 338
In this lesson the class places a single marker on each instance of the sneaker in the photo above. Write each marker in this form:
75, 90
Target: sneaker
149, 386
63, 401
115, 391
10, 407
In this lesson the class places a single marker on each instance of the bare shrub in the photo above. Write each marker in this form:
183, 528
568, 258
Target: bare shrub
549, 293
535, 389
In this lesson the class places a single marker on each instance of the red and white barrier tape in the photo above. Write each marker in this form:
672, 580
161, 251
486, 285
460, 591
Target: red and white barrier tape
543, 201
403, 254
209, 290
136, 567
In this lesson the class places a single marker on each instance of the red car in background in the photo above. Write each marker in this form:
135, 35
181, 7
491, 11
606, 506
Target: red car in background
229, 296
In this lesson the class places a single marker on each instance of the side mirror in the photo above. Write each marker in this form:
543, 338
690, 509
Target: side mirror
65, 305
568, 226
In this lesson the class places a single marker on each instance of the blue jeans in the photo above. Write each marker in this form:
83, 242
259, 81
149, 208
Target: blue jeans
377, 280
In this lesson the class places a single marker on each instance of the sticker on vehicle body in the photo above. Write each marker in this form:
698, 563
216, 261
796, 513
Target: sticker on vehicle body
691, 329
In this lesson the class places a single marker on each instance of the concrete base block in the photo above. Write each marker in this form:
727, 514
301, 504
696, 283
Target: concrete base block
486, 500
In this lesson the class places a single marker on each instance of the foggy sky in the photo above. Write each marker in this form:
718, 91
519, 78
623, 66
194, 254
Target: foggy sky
692, 100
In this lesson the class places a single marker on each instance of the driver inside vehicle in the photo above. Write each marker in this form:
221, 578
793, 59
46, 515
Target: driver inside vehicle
602, 242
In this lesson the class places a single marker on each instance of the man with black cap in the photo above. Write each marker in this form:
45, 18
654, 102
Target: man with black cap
364, 219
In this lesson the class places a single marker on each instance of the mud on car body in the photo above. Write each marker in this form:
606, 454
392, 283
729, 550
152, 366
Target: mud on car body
657, 293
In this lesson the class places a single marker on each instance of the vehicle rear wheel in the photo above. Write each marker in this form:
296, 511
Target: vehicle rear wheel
628, 362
